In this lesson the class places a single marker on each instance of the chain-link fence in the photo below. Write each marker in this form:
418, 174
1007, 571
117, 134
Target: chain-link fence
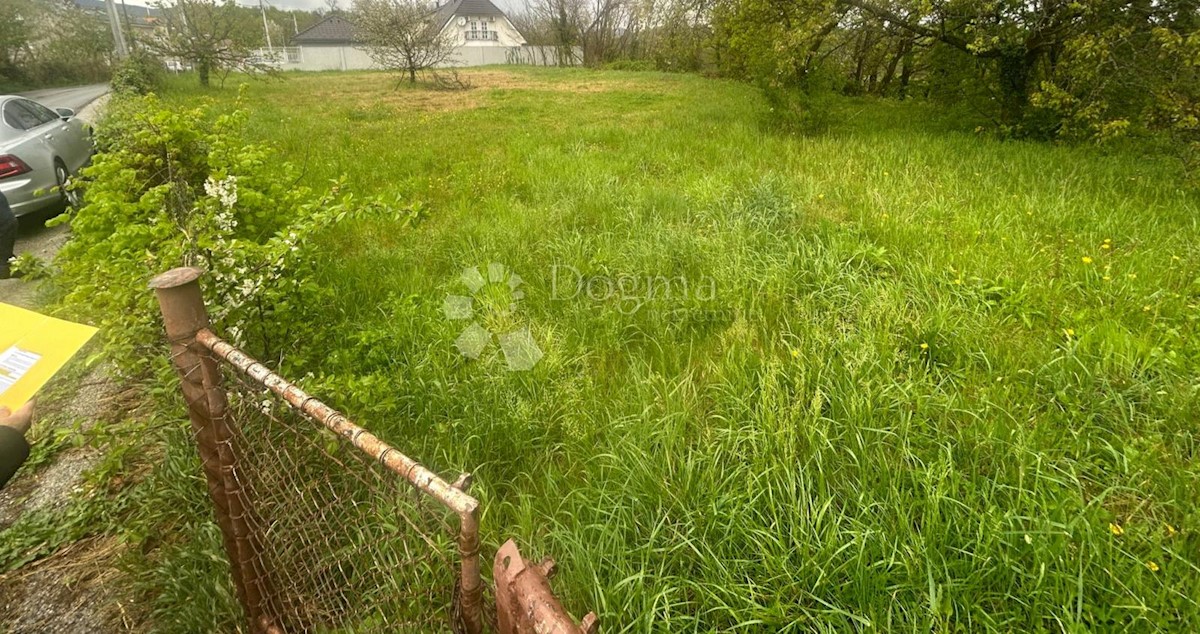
327, 527
346, 542
336, 529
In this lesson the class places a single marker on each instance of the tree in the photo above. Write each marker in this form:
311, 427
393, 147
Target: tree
211, 35
16, 26
47, 41
1036, 67
557, 23
401, 36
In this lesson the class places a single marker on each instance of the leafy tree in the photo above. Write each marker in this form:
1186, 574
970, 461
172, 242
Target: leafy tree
400, 36
211, 35
1051, 67
45, 42
16, 18
75, 46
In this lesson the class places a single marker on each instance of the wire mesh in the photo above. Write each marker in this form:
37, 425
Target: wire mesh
326, 526
345, 543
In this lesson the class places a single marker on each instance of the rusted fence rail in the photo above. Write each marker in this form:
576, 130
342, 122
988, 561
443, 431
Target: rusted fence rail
319, 532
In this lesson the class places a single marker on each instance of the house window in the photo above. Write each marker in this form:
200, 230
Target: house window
477, 29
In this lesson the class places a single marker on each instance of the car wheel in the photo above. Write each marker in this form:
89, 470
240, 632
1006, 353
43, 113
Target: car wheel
70, 197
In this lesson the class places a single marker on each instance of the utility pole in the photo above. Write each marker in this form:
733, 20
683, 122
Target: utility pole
266, 31
129, 27
118, 35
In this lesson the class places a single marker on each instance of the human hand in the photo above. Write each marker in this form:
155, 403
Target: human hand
19, 420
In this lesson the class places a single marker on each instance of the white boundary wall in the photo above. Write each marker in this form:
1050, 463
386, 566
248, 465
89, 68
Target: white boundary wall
353, 58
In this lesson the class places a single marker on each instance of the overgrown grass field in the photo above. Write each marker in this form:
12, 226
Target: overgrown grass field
919, 379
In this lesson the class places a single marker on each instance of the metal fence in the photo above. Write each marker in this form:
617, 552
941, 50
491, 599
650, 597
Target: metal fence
362, 535
278, 56
326, 526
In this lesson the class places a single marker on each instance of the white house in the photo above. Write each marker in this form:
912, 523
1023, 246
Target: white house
482, 34
476, 24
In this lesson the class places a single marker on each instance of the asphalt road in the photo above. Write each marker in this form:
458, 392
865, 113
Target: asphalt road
75, 97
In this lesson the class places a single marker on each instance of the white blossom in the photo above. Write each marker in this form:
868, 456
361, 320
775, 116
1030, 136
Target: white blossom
224, 190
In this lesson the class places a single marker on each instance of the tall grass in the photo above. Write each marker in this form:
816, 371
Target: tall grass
945, 382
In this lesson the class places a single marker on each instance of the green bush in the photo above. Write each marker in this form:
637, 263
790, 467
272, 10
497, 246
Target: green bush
798, 109
139, 74
181, 188
630, 64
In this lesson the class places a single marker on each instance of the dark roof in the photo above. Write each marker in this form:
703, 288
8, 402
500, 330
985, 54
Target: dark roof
332, 29
463, 7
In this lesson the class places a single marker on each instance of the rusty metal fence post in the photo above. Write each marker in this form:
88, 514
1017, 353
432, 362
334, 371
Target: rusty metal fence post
184, 315
525, 604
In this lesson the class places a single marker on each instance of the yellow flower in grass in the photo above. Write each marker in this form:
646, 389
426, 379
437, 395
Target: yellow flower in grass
1070, 332
1152, 566
924, 346
1107, 278
1106, 246
1171, 531
1086, 259
1115, 529
795, 353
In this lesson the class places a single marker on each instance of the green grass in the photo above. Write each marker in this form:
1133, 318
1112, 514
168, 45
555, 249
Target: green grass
923, 389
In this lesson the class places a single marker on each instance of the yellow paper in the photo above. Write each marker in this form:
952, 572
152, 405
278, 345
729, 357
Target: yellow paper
32, 348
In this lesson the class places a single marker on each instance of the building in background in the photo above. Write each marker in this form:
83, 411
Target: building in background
481, 32
135, 19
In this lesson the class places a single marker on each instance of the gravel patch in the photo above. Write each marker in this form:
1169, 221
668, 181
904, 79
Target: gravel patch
49, 489
91, 112
72, 592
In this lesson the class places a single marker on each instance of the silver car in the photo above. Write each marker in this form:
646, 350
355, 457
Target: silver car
40, 150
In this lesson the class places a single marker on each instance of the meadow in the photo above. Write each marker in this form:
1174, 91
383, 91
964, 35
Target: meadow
893, 375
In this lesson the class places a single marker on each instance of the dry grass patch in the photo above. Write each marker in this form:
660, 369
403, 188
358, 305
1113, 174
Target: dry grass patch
515, 80
78, 589
372, 90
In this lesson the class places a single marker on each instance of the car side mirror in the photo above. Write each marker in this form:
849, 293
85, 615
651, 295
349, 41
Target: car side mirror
65, 113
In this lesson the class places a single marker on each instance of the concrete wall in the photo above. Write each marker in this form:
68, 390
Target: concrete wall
351, 58
330, 58
522, 55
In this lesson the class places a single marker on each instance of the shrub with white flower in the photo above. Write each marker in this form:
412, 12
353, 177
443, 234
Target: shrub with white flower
219, 203
224, 190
